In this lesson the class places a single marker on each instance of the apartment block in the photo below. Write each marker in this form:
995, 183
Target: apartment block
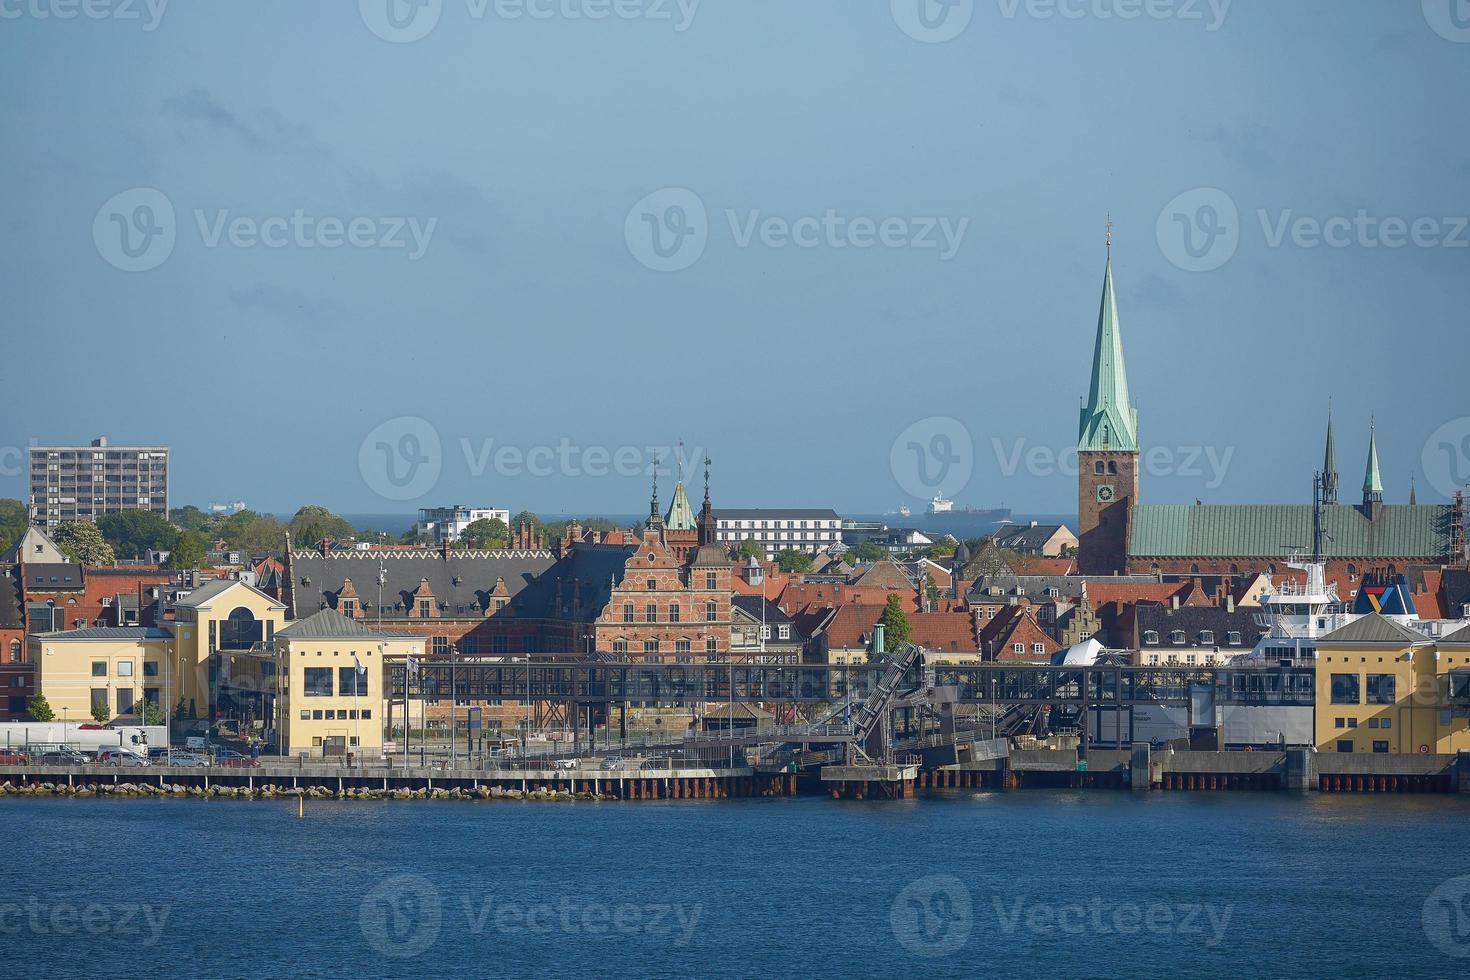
81, 483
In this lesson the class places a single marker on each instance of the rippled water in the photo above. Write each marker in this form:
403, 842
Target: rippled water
1032, 882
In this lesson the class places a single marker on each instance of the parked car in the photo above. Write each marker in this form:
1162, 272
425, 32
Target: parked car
566, 763
61, 757
612, 763
230, 759
120, 757
177, 757
12, 758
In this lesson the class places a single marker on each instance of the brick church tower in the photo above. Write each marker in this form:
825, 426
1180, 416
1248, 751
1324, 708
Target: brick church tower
1107, 449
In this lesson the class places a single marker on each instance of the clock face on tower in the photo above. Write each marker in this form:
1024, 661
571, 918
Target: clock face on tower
1105, 494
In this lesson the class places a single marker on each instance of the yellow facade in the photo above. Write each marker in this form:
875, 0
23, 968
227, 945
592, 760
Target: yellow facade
238, 623
1392, 696
112, 666
317, 662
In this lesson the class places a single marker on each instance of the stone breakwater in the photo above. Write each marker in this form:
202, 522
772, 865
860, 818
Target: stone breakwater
270, 791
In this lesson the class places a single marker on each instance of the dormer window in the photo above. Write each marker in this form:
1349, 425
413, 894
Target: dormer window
1233, 638
1151, 637
1206, 637
1176, 637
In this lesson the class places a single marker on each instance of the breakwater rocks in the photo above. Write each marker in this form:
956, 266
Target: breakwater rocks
271, 791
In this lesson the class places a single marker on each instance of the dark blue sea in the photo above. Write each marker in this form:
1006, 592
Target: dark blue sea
1033, 883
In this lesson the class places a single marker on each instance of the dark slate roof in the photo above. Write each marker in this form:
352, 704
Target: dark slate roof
461, 583
1263, 531
10, 608
588, 572
1026, 536
328, 624
1067, 586
1192, 619
1459, 636
751, 606
777, 514
108, 633
1373, 629
53, 578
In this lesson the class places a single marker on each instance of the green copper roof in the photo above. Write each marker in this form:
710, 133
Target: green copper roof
1372, 479
1257, 531
1109, 421
680, 516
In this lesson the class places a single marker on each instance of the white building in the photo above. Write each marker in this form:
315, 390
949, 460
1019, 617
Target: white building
81, 483
448, 523
778, 530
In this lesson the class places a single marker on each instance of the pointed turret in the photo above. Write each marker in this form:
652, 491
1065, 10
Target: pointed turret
655, 519
1329, 465
680, 516
1413, 492
1109, 421
1372, 479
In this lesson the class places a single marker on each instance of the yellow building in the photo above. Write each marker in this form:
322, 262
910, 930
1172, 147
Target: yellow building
331, 680
224, 634
112, 666
1382, 687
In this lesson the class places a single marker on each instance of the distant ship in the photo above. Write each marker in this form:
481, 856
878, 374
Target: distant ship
902, 511
942, 507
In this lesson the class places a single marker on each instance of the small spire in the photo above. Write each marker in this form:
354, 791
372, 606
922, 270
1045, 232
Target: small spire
1329, 463
1413, 492
1110, 236
1372, 479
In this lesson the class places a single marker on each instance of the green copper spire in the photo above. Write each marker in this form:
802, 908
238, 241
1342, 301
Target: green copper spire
1329, 464
1109, 421
1372, 480
680, 516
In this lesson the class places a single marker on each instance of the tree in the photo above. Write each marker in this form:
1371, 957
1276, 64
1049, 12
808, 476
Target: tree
13, 522
149, 713
40, 709
865, 551
525, 517
134, 533
485, 533
252, 533
191, 518
941, 549
81, 542
895, 622
791, 560
314, 522
189, 552
931, 592
749, 548
100, 714
181, 711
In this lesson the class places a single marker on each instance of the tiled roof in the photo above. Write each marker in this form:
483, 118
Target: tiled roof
462, 581
1243, 531
943, 631
884, 574
851, 626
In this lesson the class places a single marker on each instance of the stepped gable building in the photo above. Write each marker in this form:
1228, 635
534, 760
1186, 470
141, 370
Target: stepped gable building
642, 598
1119, 533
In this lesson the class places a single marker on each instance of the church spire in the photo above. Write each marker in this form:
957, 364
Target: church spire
707, 526
1109, 421
1329, 464
1413, 492
655, 519
1372, 479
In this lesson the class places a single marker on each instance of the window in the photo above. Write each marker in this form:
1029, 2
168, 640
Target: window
1176, 637
652, 583
99, 668
710, 646
438, 644
711, 580
681, 647
783, 631
150, 668
650, 646
125, 700
1380, 745
1344, 745
1385, 723
306, 714
620, 647
349, 680
1098, 468
1233, 638
99, 696
711, 612
318, 682
1018, 648
1038, 648
627, 612
1380, 689
15, 651
367, 714
673, 612
650, 612
316, 714
1352, 723
1345, 689
1151, 637
125, 668
1207, 637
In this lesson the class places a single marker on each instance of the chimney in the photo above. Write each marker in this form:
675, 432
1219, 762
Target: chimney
444, 548
1174, 601
1230, 602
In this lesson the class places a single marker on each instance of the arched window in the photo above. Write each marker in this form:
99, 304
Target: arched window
1112, 468
239, 630
1098, 468
15, 651
711, 612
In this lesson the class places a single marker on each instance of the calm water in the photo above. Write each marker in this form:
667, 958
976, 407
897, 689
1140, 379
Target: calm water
1025, 883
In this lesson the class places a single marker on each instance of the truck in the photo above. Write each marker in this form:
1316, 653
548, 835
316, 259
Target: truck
87, 738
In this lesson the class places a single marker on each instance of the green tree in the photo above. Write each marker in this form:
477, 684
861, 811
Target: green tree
865, 551
931, 592
40, 709
749, 548
252, 533
13, 522
149, 713
133, 533
314, 522
791, 560
181, 710
895, 622
485, 533
81, 542
100, 714
189, 552
191, 518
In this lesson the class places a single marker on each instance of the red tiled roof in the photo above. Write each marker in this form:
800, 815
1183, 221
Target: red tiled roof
943, 631
851, 626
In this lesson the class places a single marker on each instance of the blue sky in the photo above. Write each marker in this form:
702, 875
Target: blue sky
949, 197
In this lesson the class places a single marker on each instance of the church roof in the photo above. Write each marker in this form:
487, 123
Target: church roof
1270, 531
1109, 420
680, 516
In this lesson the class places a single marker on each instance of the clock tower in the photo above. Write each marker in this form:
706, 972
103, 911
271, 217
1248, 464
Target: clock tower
1107, 448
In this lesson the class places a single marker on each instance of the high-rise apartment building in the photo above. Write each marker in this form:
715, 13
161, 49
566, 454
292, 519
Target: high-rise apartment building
81, 483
